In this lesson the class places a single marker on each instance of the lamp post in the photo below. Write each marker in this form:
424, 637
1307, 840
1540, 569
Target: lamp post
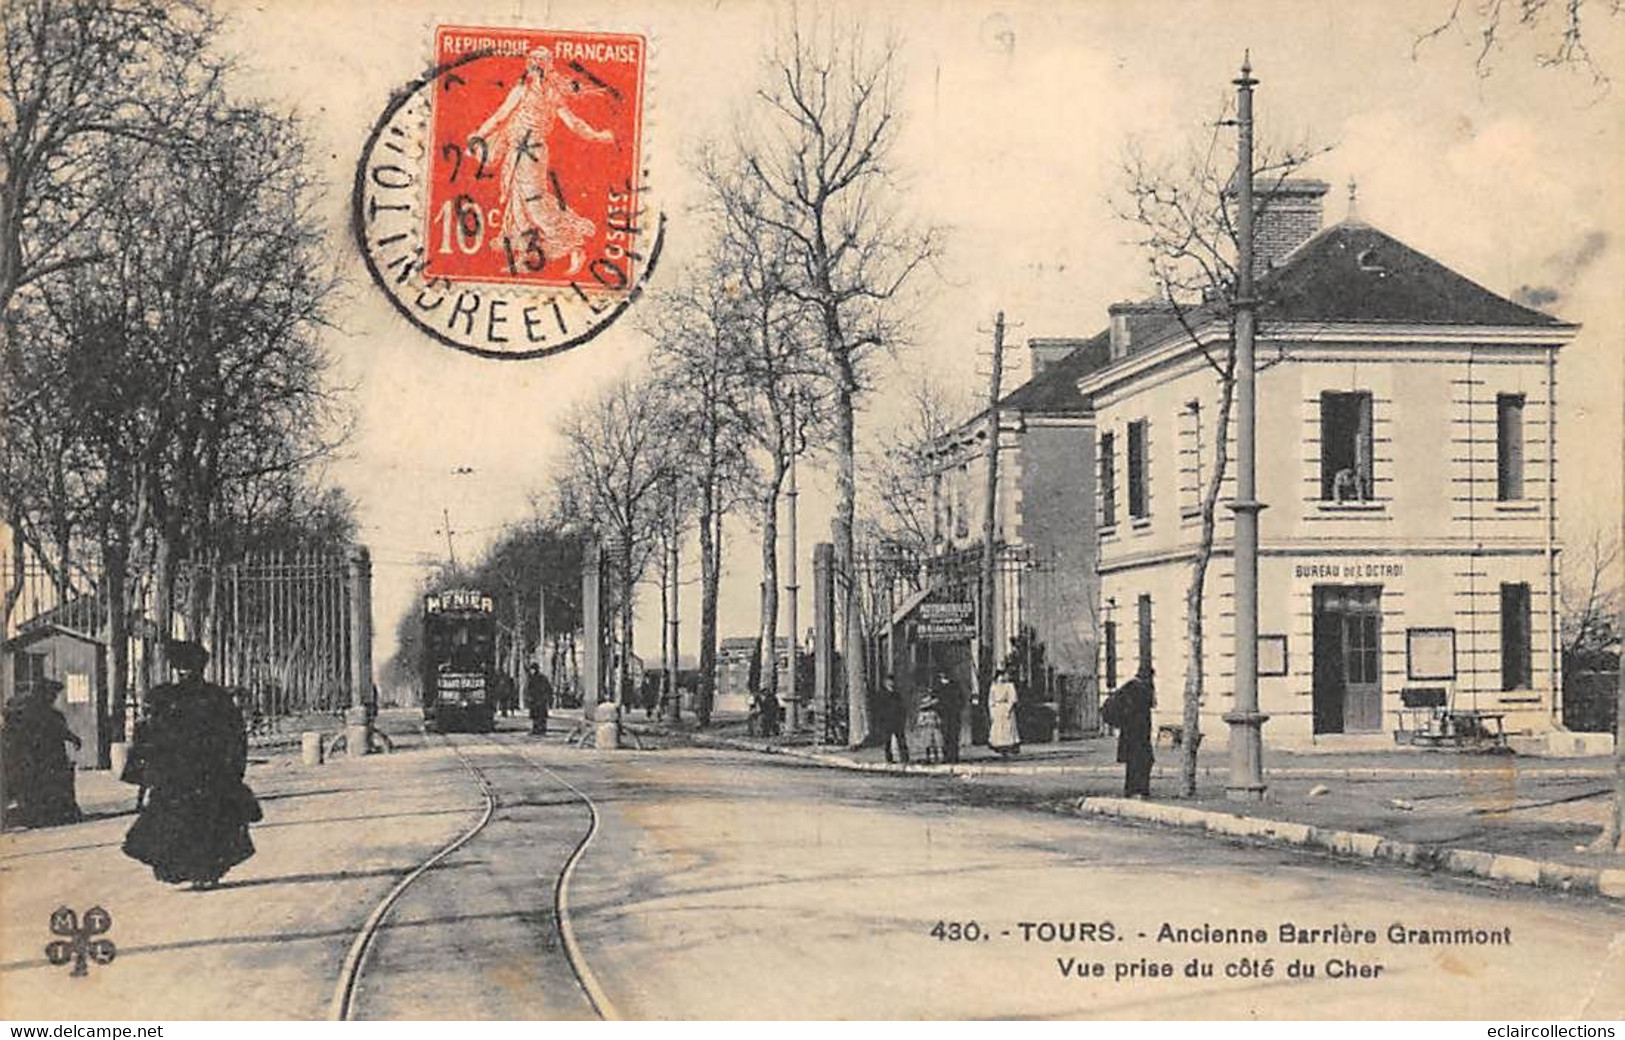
1246, 776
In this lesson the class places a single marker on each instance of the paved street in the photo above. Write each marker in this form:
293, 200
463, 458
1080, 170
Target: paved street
720, 884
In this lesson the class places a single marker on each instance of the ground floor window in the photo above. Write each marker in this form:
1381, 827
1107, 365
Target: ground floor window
1516, 628
1144, 607
1111, 655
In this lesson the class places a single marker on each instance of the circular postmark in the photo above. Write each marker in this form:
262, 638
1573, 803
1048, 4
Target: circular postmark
500, 203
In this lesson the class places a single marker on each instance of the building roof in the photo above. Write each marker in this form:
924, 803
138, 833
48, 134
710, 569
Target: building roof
36, 633
1055, 390
1353, 272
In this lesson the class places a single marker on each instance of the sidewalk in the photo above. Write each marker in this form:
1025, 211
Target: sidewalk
269, 942
1436, 810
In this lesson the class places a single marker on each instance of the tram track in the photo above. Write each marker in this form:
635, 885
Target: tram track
342, 1007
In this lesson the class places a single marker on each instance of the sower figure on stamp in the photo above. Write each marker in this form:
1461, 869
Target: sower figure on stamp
538, 697
535, 219
1129, 710
193, 753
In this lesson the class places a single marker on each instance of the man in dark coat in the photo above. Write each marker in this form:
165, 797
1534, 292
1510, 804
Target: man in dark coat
192, 753
39, 775
1129, 710
950, 702
538, 697
891, 720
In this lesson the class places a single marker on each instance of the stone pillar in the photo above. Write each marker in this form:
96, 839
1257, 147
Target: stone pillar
363, 703
593, 629
823, 635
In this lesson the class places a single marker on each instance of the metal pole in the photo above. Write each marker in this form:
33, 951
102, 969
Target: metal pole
988, 646
791, 586
1246, 776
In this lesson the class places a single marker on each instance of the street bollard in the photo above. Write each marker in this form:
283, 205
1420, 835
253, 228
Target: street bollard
310, 749
608, 735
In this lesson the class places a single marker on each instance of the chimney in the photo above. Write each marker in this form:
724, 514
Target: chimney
1289, 214
1046, 352
1130, 322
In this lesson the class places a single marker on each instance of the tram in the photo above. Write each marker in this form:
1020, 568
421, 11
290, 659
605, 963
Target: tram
459, 661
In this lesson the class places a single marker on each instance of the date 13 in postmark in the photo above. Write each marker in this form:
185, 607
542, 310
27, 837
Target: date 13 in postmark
501, 203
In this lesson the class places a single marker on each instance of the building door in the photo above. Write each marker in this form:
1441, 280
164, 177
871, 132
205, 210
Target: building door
1348, 658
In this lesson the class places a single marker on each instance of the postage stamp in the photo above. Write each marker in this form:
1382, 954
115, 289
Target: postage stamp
501, 200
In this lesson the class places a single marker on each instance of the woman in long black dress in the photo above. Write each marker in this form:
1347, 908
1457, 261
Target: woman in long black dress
190, 755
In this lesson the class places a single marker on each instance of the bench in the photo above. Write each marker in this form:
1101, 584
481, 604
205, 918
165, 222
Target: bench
1426, 720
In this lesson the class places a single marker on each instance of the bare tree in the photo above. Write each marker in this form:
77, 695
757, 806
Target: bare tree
1591, 597
621, 453
1560, 28
903, 470
819, 152
1593, 617
1182, 219
778, 373
79, 74
696, 341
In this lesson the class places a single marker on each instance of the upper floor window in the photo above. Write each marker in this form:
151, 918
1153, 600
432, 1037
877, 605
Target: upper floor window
1190, 459
1345, 447
1108, 480
1139, 499
1509, 447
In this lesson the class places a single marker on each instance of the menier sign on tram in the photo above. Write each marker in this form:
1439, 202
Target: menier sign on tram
945, 622
458, 600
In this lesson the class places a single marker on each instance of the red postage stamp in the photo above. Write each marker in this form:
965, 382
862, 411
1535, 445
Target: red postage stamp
534, 158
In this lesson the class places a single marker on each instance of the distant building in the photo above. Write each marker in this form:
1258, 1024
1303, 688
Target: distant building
736, 662
1046, 588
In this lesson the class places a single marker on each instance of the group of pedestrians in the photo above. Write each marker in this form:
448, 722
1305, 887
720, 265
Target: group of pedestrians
187, 759
1127, 710
941, 714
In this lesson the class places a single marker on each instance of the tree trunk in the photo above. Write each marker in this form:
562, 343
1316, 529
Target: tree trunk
118, 639
857, 691
674, 701
624, 691
768, 648
1195, 592
165, 562
708, 604
19, 559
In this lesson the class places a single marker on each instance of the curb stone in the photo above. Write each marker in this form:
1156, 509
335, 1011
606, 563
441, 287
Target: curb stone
1547, 874
1160, 772
1520, 870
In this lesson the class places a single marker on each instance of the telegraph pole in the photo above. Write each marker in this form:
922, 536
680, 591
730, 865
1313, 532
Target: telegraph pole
990, 525
1246, 776
451, 551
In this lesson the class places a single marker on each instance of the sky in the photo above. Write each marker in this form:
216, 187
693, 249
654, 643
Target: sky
1017, 116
